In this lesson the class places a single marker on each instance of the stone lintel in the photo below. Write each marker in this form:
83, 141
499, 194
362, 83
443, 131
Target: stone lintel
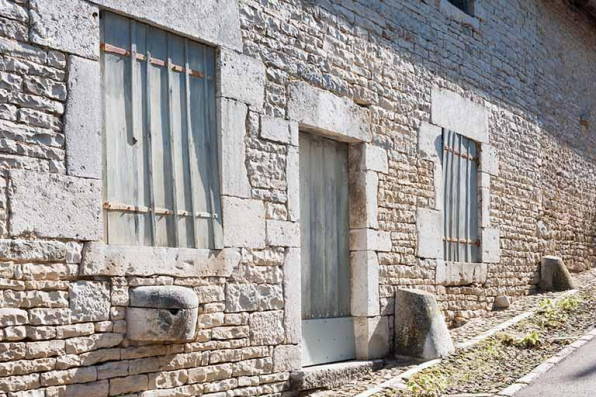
194, 19
116, 260
456, 113
324, 113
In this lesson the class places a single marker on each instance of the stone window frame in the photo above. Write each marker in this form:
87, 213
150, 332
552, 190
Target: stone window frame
454, 13
322, 113
470, 119
73, 26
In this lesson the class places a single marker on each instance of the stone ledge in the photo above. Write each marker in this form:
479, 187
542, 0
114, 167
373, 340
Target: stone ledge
331, 375
114, 260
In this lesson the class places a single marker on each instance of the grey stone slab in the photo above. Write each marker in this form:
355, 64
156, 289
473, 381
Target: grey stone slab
458, 273
116, 260
82, 121
491, 245
554, 275
364, 188
234, 175
430, 142
241, 78
52, 205
89, 301
244, 223
370, 240
292, 296
175, 325
364, 284
191, 18
279, 130
429, 229
331, 375
325, 113
372, 337
66, 25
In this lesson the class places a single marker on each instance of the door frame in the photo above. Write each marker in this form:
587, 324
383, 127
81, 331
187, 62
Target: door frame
347, 122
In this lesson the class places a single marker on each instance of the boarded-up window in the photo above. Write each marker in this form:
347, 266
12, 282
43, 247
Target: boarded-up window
160, 148
460, 187
466, 6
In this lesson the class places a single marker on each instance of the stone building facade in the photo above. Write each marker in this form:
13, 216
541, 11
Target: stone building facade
384, 77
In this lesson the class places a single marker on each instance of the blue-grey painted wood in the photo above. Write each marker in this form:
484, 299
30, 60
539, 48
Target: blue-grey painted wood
461, 211
324, 227
161, 177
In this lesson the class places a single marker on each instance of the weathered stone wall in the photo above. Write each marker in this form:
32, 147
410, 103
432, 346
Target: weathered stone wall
63, 308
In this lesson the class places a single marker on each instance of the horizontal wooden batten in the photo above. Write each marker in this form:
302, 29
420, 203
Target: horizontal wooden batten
158, 211
105, 47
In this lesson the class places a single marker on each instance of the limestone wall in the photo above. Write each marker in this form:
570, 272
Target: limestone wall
64, 294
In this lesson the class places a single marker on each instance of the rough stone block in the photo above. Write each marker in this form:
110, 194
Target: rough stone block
452, 111
244, 223
287, 358
429, 229
370, 240
420, 329
292, 296
234, 176
193, 19
130, 384
67, 25
372, 337
491, 245
241, 78
12, 317
332, 375
82, 120
93, 389
501, 302
364, 187
241, 297
51, 205
367, 157
364, 278
554, 275
489, 160
279, 130
113, 260
293, 183
321, 111
458, 274
89, 301
266, 328
430, 142
283, 234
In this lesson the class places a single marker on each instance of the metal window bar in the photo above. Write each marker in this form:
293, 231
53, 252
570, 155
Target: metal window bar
150, 62
460, 185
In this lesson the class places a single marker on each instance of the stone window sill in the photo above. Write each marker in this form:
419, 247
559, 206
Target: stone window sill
100, 259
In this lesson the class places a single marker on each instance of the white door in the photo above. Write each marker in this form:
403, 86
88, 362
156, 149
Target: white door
327, 328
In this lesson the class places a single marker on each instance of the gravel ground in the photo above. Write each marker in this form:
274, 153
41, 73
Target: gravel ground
513, 362
499, 361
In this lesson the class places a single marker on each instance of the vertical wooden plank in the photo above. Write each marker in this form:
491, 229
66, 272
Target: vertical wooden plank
213, 150
446, 193
189, 145
474, 207
149, 136
172, 138
343, 231
305, 225
330, 211
463, 215
318, 277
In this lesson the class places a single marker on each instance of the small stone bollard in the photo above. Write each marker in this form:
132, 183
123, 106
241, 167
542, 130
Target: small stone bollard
420, 328
554, 275
501, 302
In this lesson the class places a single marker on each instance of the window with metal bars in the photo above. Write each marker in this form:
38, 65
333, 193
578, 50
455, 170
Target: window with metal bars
460, 192
161, 184
466, 6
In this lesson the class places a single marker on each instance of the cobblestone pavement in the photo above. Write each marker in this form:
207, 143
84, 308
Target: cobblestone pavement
462, 334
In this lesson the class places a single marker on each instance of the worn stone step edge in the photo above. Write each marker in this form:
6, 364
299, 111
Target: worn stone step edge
547, 365
398, 381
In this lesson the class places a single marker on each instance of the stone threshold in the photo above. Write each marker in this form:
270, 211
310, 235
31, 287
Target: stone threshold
330, 376
400, 381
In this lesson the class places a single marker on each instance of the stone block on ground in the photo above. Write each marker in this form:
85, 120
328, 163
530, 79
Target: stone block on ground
501, 302
420, 328
554, 275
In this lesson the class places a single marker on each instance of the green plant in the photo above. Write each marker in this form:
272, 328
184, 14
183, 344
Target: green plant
430, 384
569, 304
531, 340
550, 315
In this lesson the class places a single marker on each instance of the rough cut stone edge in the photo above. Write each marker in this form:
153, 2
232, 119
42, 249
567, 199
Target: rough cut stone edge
331, 375
112, 260
547, 365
